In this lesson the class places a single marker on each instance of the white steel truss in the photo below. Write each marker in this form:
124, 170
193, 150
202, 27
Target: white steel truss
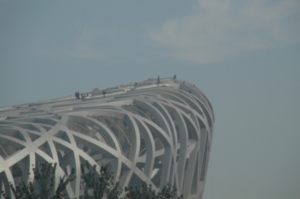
157, 131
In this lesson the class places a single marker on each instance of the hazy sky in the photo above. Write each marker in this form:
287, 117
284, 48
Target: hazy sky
244, 55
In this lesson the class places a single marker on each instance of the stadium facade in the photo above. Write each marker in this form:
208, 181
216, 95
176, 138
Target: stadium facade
157, 131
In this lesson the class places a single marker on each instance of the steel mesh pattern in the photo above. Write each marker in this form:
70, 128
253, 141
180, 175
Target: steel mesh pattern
157, 133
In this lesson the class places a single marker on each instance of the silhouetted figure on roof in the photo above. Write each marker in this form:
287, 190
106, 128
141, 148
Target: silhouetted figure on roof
135, 84
103, 92
158, 79
77, 95
175, 76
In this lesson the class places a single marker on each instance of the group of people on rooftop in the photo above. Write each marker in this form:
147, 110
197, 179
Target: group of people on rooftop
83, 96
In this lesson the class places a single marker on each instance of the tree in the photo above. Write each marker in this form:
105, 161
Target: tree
96, 185
44, 176
99, 185
146, 192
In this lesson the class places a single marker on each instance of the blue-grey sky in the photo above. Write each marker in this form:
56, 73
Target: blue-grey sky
244, 55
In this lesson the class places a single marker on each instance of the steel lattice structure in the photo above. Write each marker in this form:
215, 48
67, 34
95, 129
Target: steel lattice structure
157, 131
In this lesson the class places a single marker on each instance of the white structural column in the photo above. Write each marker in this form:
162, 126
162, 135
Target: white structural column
154, 132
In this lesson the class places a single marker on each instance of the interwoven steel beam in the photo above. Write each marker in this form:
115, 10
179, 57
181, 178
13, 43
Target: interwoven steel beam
154, 131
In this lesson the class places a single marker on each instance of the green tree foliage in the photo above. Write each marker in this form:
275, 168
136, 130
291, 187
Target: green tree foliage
146, 192
99, 185
96, 186
44, 177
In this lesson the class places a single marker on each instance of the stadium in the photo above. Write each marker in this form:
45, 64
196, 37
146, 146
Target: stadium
158, 131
